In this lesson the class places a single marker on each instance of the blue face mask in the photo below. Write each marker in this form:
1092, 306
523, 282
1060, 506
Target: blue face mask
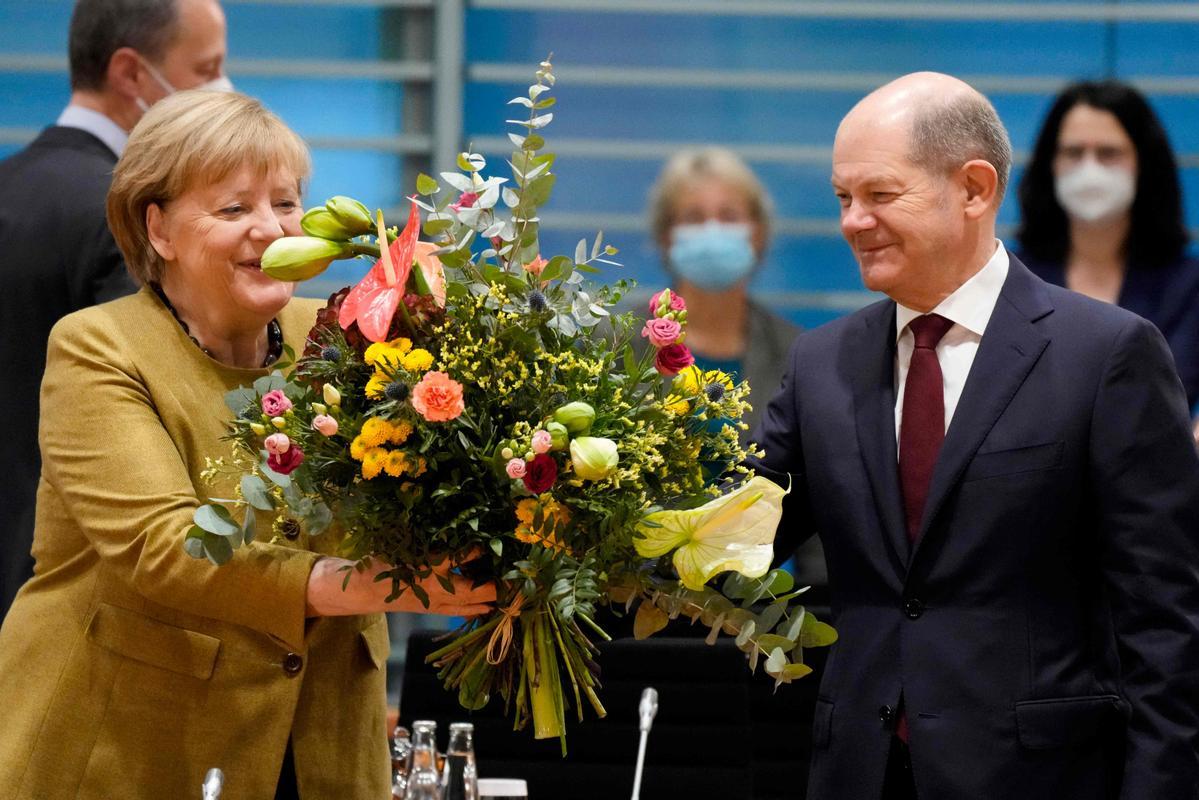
712, 256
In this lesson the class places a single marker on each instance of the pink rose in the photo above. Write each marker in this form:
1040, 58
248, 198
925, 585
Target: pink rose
438, 397
673, 359
285, 463
277, 444
542, 473
542, 442
676, 303
516, 468
536, 266
662, 332
324, 424
465, 200
274, 403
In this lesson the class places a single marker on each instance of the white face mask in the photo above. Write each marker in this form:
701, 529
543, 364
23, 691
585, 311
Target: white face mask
221, 83
1091, 192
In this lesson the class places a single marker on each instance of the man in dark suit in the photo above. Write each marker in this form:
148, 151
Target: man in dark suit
1004, 480
58, 253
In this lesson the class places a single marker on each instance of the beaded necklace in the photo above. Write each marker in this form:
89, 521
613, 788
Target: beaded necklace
274, 333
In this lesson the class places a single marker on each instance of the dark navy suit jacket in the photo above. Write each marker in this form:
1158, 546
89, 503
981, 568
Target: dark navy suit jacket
1044, 630
1166, 296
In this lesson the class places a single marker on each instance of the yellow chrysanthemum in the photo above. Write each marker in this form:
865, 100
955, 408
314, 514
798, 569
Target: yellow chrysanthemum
553, 516
676, 405
400, 431
376, 385
418, 360
396, 463
373, 462
390, 352
358, 448
375, 431
689, 381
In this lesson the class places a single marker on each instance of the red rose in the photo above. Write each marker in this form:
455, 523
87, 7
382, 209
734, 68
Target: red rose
673, 359
541, 473
286, 463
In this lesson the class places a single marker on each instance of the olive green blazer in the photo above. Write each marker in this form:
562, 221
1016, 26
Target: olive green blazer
128, 668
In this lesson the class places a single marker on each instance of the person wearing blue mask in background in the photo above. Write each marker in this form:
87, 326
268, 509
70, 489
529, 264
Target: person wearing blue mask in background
710, 217
1102, 214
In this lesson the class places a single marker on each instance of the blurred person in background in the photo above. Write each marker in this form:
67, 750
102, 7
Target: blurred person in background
1102, 214
125, 55
710, 216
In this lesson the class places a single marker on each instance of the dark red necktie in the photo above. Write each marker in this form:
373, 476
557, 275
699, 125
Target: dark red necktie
922, 428
921, 432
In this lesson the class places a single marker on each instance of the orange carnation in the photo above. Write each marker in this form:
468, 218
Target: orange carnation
438, 397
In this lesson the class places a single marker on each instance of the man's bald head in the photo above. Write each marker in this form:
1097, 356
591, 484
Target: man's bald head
947, 121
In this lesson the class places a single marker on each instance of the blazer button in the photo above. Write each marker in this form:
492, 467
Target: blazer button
293, 663
886, 714
913, 609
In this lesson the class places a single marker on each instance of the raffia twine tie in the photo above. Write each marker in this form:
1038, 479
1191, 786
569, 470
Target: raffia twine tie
501, 637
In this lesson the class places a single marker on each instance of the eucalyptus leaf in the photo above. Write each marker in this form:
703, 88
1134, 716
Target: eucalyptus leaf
747, 631
193, 544
490, 197
511, 198
318, 519
216, 519
247, 526
581, 251
540, 121
534, 142
775, 662
426, 185
254, 491
770, 642
475, 162
217, 549
277, 478
816, 634
517, 139
269, 383
497, 546
458, 181
649, 620
240, 399
595, 248
521, 101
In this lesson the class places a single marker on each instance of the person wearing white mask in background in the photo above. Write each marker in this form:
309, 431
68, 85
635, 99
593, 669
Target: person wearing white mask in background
125, 55
1102, 213
710, 217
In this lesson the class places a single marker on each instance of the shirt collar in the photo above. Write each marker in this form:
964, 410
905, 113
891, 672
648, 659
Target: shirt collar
98, 125
971, 304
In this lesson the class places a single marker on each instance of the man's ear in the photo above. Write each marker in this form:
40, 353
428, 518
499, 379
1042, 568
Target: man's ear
156, 230
124, 72
980, 181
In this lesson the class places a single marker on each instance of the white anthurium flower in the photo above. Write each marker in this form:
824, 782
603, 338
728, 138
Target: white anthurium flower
733, 532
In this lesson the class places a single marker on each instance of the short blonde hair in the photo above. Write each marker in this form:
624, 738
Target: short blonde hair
716, 163
192, 138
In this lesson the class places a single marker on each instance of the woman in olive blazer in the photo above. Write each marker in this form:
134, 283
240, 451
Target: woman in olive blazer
127, 668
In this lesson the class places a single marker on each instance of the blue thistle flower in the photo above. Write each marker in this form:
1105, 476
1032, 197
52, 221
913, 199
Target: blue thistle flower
331, 354
537, 301
396, 390
715, 392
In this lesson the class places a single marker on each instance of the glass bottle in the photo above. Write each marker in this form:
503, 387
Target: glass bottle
423, 780
459, 781
401, 762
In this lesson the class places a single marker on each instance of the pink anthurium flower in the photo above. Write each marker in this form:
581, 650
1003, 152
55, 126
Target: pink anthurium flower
372, 303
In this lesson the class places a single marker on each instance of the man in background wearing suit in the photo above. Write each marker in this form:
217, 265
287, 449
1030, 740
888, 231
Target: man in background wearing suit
1005, 483
58, 255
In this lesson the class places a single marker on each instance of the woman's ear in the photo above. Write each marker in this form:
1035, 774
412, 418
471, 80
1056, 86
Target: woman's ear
158, 233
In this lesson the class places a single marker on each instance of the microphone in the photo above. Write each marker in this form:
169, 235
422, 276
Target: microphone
214, 781
648, 707
646, 710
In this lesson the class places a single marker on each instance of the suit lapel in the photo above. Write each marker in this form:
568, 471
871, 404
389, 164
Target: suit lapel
1009, 348
874, 418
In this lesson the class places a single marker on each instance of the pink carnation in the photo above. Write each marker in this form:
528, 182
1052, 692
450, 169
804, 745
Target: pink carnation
438, 397
277, 444
516, 468
676, 303
274, 403
662, 332
324, 424
542, 442
536, 266
673, 359
286, 463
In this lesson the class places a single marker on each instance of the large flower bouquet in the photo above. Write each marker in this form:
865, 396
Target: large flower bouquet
471, 399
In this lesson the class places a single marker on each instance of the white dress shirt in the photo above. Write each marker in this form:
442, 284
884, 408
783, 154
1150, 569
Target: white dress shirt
98, 125
969, 308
